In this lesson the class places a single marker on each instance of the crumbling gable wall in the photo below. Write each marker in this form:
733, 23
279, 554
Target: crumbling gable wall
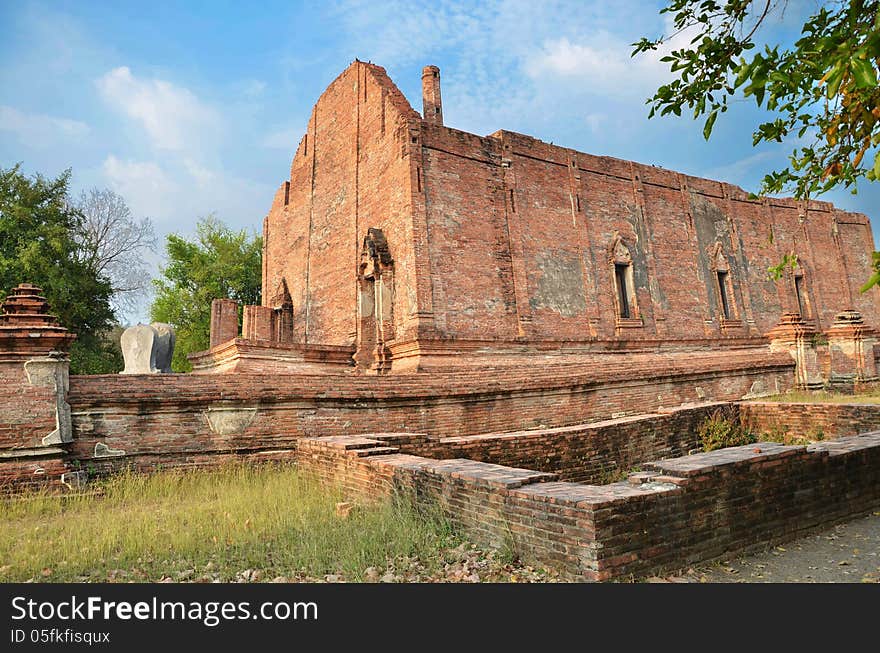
351, 172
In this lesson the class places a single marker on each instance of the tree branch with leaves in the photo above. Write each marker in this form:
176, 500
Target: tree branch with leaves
822, 90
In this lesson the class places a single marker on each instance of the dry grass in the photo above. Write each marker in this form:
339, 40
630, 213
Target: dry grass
824, 397
180, 525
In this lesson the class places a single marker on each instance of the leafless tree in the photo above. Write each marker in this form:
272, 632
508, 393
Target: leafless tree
115, 244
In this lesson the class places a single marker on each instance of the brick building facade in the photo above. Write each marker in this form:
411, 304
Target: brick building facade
410, 245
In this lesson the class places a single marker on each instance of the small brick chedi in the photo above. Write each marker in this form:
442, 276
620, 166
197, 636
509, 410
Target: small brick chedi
398, 244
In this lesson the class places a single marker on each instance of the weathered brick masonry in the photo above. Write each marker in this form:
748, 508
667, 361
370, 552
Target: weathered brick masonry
553, 316
145, 419
597, 452
830, 420
679, 512
420, 246
52, 424
34, 414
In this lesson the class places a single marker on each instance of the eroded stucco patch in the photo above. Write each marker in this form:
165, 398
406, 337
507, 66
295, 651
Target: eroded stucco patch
560, 285
229, 420
50, 372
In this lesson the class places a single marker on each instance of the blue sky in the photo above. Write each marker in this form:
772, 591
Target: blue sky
188, 108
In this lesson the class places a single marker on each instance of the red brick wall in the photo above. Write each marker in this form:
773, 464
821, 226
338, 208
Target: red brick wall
685, 510
734, 499
166, 416
27, 412
598, 452
505, 238
829, 420
33, 472
351, 172
522, 230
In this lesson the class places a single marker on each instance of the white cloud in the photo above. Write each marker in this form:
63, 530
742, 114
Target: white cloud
603, 61
147, 188
252, 88
200, 174
176, 193
595, 121
40, 130
748, 170
173, 117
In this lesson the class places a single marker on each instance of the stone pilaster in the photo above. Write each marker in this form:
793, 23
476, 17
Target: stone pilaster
851, 346
797, 337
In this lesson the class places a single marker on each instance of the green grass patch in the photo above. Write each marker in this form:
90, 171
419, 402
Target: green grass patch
182, 525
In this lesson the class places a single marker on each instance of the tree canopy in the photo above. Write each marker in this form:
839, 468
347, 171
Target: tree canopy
218, 263
38, 228
822, 89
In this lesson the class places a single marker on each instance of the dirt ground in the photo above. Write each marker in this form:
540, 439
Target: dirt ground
847, 553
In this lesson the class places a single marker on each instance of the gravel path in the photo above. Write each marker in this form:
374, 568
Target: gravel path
847, 553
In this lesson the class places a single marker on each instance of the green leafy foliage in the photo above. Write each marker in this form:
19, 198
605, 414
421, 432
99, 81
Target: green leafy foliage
219, 263
719, 432
775, 272
99, 354
38, 225
822, 91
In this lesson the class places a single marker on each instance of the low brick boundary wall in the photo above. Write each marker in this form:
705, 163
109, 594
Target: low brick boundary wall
173, 420
176, 419
597, 452
830, 420
679, 512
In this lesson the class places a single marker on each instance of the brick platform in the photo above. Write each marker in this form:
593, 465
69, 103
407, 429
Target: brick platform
679, 512
139, 419
586, 453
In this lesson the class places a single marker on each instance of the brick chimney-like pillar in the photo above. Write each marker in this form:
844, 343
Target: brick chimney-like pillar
224, 321
432, 105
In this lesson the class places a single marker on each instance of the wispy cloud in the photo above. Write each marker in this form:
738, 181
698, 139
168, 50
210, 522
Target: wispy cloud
746, 171
174, 193
40, 130
184, 179
144, 184
172, 116
604, 64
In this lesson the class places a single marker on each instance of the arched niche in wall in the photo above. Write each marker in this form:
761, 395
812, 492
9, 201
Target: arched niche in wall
800, 287
282, 303
626, 305
727, 307
375, 306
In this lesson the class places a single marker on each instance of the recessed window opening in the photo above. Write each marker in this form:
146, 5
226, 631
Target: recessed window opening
801, 296
620, 274
722, 291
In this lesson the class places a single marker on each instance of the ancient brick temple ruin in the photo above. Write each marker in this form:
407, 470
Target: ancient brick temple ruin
398, 244
508, 328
